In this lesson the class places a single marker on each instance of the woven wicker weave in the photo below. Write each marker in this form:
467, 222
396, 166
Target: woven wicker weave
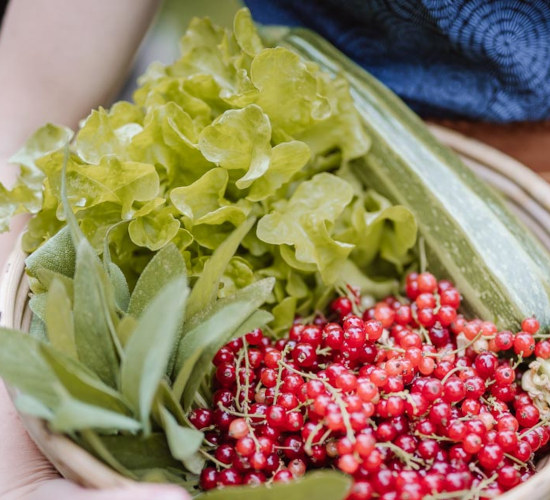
527, 194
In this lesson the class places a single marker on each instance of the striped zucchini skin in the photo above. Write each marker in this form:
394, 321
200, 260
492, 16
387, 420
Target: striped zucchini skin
502, 271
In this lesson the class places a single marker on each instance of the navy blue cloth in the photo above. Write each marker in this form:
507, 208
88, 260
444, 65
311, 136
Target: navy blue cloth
478, 59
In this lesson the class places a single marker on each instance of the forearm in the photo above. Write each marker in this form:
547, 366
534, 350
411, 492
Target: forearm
60, 58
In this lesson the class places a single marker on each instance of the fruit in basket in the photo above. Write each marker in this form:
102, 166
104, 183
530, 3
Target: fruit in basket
354, 392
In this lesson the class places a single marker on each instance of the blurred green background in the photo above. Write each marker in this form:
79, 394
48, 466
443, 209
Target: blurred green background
174, 16
220, 11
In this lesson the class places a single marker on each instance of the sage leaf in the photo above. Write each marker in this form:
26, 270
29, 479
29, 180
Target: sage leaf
206, 288
58, 316
23, 366
194, 463
211, 330
317, 485
284, 312
92, 317
81, 383
138, 452
58, 254
173, 476
72, 415
165, 398
125, 329
44, 278
187, 366
148, 349
89, 440
183, 441
37, 305
256, 320
120, 286
166, 265
32, 406
223, 330
37, 330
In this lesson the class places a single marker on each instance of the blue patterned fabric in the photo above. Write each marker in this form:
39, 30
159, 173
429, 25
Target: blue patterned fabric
479, 59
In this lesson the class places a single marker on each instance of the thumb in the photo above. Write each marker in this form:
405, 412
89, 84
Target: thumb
61, 488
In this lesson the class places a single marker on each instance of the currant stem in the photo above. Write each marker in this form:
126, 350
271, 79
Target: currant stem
516, 460
544, 421
209, 457
324, 437
518, 362
309, 440
280, 374
457, 350
247, 368
433, 436
453, 371
334, 393
410, 460
240, 414
238, 381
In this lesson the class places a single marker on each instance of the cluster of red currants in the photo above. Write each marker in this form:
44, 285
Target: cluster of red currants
408, 398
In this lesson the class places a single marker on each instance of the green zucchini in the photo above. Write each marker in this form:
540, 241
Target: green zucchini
471, 237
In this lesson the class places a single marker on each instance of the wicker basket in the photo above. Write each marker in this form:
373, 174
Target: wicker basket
527, 194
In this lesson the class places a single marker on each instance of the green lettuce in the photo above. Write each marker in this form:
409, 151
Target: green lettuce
232, 131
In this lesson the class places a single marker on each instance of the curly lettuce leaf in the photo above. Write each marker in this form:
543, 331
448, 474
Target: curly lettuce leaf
109, 132
26, 194
239, 140
304, 223
168, 141
154, 230
380, 229
287, 159
202, 197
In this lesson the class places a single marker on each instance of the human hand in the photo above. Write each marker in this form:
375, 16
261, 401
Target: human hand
25, 474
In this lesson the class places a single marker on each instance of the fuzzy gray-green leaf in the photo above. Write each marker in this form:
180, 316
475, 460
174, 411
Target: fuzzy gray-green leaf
138, 452
58, 316
183, 441
93, 443
72, 415
32, 406
205, 333
166, 265
148, 349
256, 320
120, 287
37, 329
93, 339
206, 288
81, 383
37, 305
43, 280
23, 366
57, 254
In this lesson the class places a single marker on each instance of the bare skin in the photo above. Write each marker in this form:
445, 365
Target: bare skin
58, 59
26, 474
